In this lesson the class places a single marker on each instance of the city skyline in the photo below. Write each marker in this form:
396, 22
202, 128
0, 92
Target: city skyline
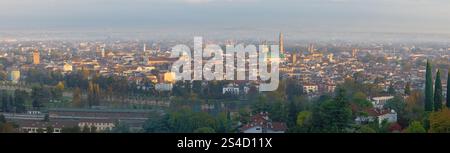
183, 69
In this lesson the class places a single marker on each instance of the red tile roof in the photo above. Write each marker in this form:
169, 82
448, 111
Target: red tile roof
377, 112
262, 120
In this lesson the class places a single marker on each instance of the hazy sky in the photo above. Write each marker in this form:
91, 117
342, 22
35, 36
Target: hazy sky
418, 16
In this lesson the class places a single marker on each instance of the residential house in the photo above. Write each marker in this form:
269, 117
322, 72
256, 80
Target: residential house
260, 123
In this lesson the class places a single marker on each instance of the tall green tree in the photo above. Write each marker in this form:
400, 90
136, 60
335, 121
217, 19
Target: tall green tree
76, 100
343, 111
157, 124
293, 89
391, 90
448, 88
438, 92
292, 115
408, 88
4, 101
333, 116
20, 98
40, 95
93, 94
197, 86
398, 104
428, 88
415, 127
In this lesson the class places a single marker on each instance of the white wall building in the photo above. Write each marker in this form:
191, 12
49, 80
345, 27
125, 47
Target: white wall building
378, 102
163, 87
378, 114
310, 88
100, 126
14, 76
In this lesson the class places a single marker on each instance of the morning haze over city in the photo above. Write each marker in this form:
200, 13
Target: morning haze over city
224, 66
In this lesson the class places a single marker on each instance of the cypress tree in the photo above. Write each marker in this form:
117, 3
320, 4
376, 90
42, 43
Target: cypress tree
448, 88
391, 90
428, 88
408, 88
4, 101
438, 92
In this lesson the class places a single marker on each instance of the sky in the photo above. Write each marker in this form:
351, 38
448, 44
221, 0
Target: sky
178, 16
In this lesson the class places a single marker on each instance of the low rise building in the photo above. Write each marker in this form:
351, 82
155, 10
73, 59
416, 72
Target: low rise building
261, 123
378, 102
14, 76
231, 89
310, 88
379, 115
